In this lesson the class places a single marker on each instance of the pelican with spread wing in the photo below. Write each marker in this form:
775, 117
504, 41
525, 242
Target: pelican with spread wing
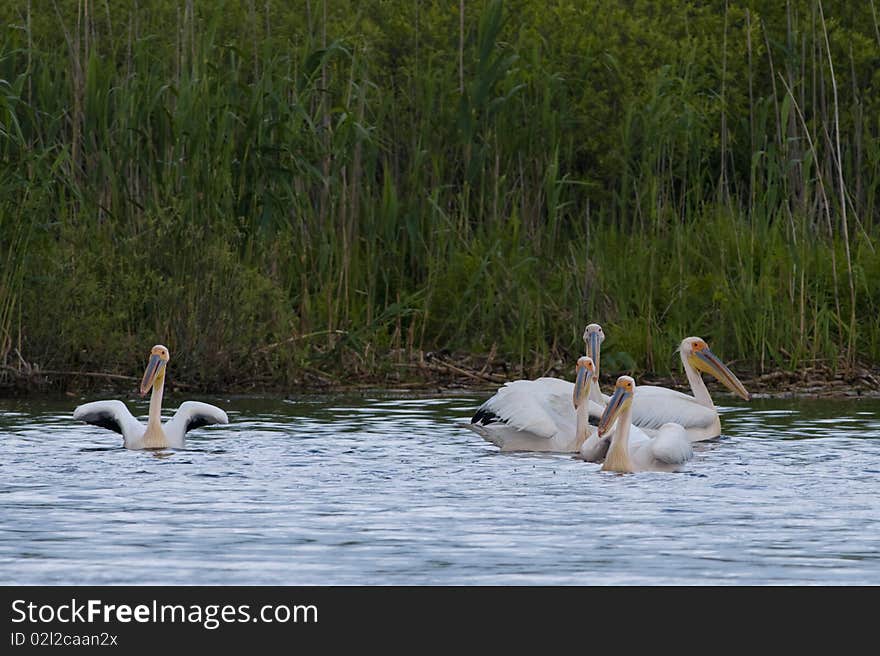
113, 415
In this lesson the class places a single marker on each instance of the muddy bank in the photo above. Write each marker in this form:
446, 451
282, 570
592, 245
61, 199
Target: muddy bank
814, 380
443, 371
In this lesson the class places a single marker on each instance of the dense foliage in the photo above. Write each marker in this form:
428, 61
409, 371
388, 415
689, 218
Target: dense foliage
271, 187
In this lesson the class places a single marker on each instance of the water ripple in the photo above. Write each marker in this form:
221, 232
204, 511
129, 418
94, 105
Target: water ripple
385, 490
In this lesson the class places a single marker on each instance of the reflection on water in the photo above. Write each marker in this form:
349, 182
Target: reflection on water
378, 489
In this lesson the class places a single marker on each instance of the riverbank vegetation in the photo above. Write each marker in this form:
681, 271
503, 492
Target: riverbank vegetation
295, 193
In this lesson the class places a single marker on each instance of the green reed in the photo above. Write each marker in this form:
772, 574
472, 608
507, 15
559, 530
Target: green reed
330, 189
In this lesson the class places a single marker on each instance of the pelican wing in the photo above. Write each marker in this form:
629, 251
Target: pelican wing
542, 407
595, 448
671, 446
112, 415
191, 415
655, 406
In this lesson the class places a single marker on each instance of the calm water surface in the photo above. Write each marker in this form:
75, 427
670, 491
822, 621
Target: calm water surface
377, 489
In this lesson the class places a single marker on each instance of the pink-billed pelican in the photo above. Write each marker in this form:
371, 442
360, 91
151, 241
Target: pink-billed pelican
114, 416
668, 450
697, 414
526, 413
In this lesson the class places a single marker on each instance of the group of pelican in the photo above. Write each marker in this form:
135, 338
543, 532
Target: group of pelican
644, 428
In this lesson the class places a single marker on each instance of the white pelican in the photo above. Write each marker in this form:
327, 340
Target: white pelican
657, 406
593, 338
518, 418
593, 446
114, 416
667, 451
527, 412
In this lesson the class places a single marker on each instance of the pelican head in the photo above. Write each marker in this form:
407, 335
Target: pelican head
593, 338
701, 358
155, 372
619, 401
585, 371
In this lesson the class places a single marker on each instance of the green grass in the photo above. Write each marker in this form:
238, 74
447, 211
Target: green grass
270, 192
